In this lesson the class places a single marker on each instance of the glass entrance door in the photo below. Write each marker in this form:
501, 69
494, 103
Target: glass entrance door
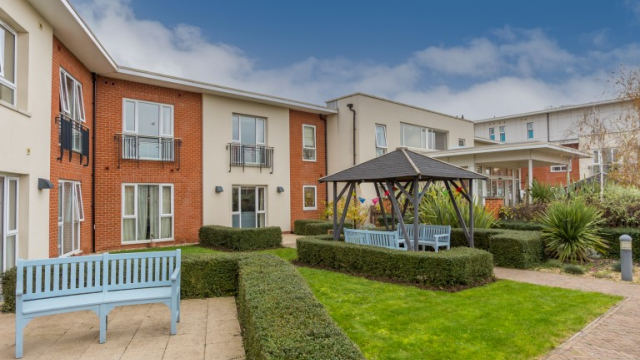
8, 222
248, 208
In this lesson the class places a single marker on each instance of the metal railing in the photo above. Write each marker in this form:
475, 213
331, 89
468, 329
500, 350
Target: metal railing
250, 155
73, 137
152, 148
595, 169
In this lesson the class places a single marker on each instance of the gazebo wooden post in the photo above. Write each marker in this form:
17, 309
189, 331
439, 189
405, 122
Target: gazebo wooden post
416, 213
336, 235
346, 206
455, 206
396, 209
471, 206
382, 211
406, 204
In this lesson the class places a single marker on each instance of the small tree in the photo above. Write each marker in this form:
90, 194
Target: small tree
357, 213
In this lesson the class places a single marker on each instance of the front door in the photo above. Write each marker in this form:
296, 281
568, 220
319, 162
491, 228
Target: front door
8, 222
248, 208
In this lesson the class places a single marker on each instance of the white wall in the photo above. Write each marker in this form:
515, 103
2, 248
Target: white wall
25, 135
217, 114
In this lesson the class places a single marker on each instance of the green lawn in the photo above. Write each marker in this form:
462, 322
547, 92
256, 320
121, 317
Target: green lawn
503, 320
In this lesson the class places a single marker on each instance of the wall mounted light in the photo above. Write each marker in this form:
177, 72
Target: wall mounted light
44, 184
219, 189
280, 189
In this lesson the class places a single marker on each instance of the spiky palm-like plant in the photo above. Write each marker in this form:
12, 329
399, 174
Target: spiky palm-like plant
571, 229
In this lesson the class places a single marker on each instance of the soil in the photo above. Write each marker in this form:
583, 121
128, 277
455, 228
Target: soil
596, 268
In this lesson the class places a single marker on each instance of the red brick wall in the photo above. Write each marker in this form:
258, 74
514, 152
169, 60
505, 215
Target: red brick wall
544, 174
306, 172
66, 169
109, 178
493, 205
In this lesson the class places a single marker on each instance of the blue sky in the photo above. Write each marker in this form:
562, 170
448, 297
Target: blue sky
480, 59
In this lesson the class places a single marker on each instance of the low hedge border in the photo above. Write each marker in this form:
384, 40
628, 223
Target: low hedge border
310, 227
519, 225
445, 269
510, 248
241, 239
613, 236
280, 317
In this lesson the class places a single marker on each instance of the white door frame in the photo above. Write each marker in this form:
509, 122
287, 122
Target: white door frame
6, 232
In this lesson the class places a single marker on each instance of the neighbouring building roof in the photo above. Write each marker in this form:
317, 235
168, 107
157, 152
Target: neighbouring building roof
401, 164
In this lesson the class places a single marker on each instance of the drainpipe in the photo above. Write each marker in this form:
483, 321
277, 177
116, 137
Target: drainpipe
93, 166
350, 106
548, 135
326, 156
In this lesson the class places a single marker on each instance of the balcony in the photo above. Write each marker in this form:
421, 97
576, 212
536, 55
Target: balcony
73, 137
250, 156
148, 148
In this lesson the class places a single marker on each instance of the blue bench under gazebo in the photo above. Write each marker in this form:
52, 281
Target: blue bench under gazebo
403, 173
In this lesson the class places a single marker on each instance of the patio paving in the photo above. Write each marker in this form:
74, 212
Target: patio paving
289, 240
612, 336
208, 329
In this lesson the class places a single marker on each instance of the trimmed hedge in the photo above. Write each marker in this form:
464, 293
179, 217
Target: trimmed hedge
282, 319
520, 225
510, 248
300, 225
241, 239
312, 227
459, 266
613, 236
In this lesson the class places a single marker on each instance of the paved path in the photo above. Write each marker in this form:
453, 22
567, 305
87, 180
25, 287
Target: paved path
208, 329
289, 240
615, 335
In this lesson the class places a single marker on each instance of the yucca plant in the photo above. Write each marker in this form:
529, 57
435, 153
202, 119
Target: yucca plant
571, 230
436, 209
543, 193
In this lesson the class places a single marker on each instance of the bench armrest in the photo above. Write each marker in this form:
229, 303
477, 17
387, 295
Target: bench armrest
19, 292
175, 274
441, 236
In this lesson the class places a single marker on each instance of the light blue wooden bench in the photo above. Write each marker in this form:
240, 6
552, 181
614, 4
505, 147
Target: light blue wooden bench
386, 239
434, 236
98, 283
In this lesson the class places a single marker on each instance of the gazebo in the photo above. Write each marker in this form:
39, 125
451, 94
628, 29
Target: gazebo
404, 173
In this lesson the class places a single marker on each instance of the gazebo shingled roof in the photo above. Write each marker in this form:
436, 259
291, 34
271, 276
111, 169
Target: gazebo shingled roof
401, 165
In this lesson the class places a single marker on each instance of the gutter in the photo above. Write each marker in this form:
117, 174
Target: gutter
350, 106
93, 166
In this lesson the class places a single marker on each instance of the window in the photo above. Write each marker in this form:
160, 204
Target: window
424, 138
308, 142
72, 106
148, 129
503, 136
8, 222
530, 130
8, 46
559, 168
251, 133
381, 140
70, 215
492, 133
248, 207
462, 142
309, 193
147, 212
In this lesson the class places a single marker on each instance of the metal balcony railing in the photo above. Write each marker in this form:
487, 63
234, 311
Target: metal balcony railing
152, 148
250, 155
73, 137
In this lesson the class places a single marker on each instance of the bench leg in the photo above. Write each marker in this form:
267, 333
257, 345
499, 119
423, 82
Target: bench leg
103, 324
174, 316
178, 308
19, 338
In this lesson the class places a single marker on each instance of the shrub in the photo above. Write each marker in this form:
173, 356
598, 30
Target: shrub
282, 319
209, 275
520, 225
617, 267
522, 212
573, 269
459, 266
544, 193
612, 236
8, 283
300, 225
620, 205
357, 213
311, 227
436, 208
241, 239
571, 230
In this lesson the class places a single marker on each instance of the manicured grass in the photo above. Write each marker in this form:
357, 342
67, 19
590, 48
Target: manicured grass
503, 320
285, 253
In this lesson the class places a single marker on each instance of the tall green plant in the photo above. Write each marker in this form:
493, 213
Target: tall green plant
544, 193
571, 229
436, 209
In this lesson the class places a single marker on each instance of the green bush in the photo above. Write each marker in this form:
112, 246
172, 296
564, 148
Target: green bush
459, 266
612, 236
299, 226
241, 239
311, 227
573, 269
571, 229
209, 275
617, 267
282, 319
9, 290
436, 208
544, 193
519, 225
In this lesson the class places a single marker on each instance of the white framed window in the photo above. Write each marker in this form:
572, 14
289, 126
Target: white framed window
147, 212
249, 206
309, 195
250, 133
422, 137
148, 130
381, 139
8, 62
9, 221
530, 130
559, 168
308, 143
462, 142
492, 133
70, 215
72, 106
503, 135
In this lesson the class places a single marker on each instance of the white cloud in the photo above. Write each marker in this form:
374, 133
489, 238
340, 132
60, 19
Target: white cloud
501, 73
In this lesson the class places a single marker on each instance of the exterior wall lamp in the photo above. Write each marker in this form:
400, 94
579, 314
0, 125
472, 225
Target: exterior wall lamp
280, 189
219, 189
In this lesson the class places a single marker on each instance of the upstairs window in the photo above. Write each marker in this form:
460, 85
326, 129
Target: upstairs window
462, 142
381, 140
492, 134
148, 129
8, 46
308, 142
503, 135
530, 130
71, 101
424, 138
248, 130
